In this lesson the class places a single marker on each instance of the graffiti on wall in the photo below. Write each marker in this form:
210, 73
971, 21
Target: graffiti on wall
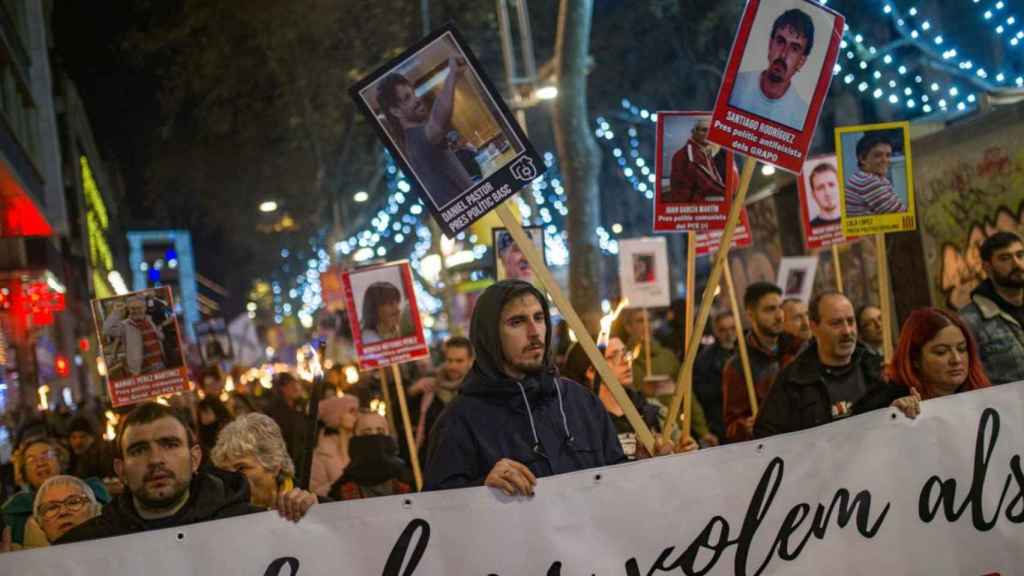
966, 203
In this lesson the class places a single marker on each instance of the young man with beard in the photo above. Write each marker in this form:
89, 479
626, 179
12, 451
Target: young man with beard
796, 322
516, 420
158, 461
438, 391
421, 132
770, 349
996, 312
825, 382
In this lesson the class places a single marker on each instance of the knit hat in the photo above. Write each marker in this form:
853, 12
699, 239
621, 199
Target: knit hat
332, 409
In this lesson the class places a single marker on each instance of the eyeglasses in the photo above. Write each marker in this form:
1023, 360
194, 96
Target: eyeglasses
42, 457
620, 357
72, 503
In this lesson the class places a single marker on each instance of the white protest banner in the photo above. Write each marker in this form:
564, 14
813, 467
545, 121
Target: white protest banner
875, 494
643, 272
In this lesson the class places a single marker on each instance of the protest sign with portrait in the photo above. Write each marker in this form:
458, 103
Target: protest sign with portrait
796, 277
448, 128
385, 320
776, 81
509, 261
643, 272
214, 340
140, 341
820, 208
693, 176
709, 242
876, 178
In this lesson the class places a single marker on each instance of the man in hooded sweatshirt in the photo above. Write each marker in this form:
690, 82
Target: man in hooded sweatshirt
516, 420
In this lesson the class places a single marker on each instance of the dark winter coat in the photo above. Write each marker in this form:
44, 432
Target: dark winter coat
214, 494
801, 399
550, 424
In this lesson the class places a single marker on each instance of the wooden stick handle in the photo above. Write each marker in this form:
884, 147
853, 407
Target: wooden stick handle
583, 337
388, 404
741, 342
837, 267
684, 381
647, 343
884, 295
414, 457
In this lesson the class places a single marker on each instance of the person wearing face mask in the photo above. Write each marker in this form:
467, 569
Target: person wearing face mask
337, 423
827, 379
375, 468
936, 356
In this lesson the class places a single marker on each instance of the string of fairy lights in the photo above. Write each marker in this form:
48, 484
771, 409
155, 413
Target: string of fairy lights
399, 225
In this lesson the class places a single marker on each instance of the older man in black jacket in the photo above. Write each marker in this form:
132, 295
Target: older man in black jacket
516, 419
826, 382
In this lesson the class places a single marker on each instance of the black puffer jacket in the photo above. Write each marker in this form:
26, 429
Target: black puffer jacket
550, 424
214, 494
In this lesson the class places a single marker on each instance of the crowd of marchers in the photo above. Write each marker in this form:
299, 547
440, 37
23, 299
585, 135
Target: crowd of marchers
513, 403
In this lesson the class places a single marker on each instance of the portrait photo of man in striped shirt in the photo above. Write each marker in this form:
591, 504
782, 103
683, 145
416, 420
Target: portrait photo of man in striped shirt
869, 188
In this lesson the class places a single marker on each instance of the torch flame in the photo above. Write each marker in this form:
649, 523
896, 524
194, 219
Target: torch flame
607, 320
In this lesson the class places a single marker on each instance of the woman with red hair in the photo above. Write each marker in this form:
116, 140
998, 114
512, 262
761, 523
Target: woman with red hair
937, 355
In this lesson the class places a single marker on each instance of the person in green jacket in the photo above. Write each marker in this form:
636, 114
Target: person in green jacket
664, 366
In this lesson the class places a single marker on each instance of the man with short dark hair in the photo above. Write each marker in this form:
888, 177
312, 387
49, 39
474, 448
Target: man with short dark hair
769, 93
421, 132
795, 320
824, 181
869, 326
437, 392
769, 349
827, 379
868, 190
707, 370
996, 312
516, 420
158, 461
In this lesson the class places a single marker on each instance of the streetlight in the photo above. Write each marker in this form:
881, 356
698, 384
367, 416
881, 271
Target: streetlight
268, 206
361, 196
546, 93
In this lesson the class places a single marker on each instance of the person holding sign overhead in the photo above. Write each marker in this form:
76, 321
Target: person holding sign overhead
869, 190
769, 93
422, 132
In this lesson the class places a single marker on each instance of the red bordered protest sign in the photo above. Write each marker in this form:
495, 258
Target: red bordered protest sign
691, 175
385, 320
820, 205
448, 128
709, 242
778, 75
140, 341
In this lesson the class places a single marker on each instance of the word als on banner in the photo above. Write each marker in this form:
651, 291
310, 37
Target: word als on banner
692, 175
385, 320
449, 130
778, 75
140, 341
876, 178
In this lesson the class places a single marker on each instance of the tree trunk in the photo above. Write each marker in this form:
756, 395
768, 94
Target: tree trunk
579, 157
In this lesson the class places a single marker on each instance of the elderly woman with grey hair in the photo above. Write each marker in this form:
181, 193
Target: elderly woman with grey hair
62, 503
253, 446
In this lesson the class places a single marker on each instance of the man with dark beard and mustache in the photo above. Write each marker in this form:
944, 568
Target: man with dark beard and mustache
996, 312
158, 462
827, 380
421, 132
769, 93
516, 420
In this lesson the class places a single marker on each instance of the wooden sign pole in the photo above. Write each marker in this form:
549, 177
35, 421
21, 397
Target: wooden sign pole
647, 343
388, 404
837, 267
741, 342
691, 281
884, 294
414, 457
583, 337
684, 382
